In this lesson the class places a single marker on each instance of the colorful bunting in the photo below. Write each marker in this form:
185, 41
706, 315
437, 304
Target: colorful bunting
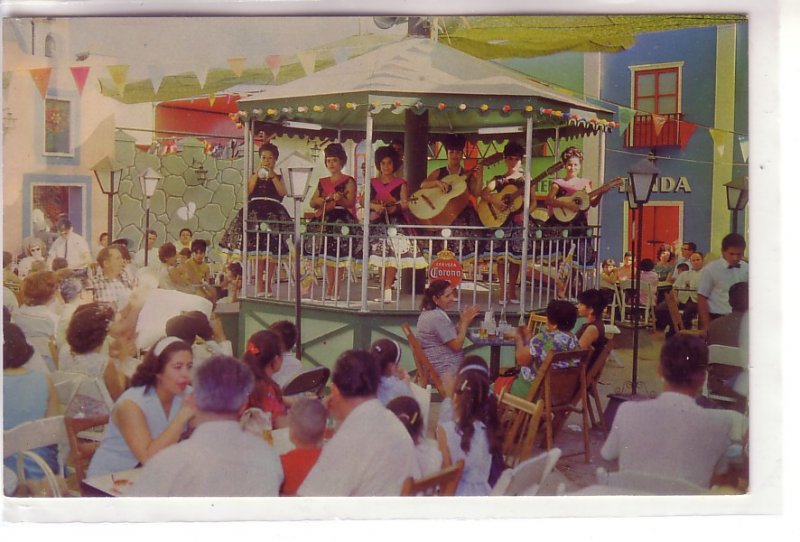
626, 115
658, 123
119, 74
41, 76
307, 59
718, 137
236, 65
79, 74
685, 132
156, 74
744, 146
212, 97
274, 63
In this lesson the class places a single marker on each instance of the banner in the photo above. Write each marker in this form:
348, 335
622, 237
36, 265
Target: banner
718, 137
41, 76
626, 115
685, 132
119, 74
274, 63
237, 65
744, 146
658, 123
307, 59
156, 74
79, 74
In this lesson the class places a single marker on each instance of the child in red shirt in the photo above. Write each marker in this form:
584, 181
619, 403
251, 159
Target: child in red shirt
307, 421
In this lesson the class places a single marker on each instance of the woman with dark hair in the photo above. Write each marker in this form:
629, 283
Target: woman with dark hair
263, 356
671, 436
591, 304
390, 248
266, 213
665, 265
334, 202
473, 433
38, 317
27, 395
151, 414
442, 341
86, 334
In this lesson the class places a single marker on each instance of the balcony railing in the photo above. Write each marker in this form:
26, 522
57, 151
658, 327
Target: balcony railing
642, 131
551, 272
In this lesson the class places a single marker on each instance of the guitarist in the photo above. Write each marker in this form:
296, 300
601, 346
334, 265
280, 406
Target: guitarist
454, 145
334, 202
506, 254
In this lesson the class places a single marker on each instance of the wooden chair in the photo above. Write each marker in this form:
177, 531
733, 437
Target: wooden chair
593, 374
520, 420
425, 372
81, 449
527, 477
536, 321
25, 438
441, 484
562, 389
647, 308
312, 380
675, 315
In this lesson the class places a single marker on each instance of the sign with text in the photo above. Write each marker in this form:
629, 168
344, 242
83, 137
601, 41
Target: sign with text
446, 267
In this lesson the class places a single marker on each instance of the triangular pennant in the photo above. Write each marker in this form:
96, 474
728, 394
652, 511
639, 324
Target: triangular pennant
156, 74
718, 137
685, 132
658, 123
274, 63
236, 65
212, 97
744, 145
41, 76
341, 55
307, 59
626, 115
202, 75
79, 74
119, 74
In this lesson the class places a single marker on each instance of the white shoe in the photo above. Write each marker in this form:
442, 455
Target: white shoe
387, 295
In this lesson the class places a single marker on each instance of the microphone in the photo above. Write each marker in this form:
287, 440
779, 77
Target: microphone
263, 173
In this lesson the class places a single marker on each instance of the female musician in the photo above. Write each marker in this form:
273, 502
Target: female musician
572, 159
390, 249
265, 191
507, 252
335, 204
454, 145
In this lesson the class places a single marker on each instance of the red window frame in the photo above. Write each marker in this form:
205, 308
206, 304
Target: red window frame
658, 72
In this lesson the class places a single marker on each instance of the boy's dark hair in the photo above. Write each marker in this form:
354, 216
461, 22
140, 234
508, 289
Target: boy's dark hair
738, 296
287, 332
647, 265
166, 251
454, 142
59, 263
199, 245
562, 313
733, 240
683, 265
356, 374
683, 359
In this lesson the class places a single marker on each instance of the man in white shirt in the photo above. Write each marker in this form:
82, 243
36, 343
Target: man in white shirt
717, 277
152, 253
687, 249
220, 459
371, 452
685, 288
70, 246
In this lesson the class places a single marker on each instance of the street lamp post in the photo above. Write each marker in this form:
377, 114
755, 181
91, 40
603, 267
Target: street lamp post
642, 177
149, 180
297, 169
737, 192
108, 174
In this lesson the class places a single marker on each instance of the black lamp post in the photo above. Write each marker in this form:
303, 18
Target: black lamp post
737, 191
149, 180
297, 169
108, 174
642, 176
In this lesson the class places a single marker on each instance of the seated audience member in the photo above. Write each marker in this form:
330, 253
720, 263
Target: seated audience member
394, 379
685, 288
427, 451
112, 284
86, 336
473, 433
10, 278
665, 265
198, 272
371, 453
102, 242
38, 317
205, 335
592, 334
263, 356
59, 263
230, 287
531, 350
649, 278
290, 365
171, 275
34, 260
726, 330
671, 436
307, 421
152, 253
626, 270
609, 275
184, 240
220, 459
74, 295
152, 414
28, 395
69, 245
687, 249
184, 255
10, 300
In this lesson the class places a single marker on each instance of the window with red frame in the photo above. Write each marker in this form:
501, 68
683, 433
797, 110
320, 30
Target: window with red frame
655, 91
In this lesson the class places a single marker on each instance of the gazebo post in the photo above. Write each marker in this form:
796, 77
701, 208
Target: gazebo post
367, 197
526, 219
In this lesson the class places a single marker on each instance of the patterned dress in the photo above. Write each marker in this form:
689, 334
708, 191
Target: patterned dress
506, 242
268, 216
391, 246
335, 237
463, 242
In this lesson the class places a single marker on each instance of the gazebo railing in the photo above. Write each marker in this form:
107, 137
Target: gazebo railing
561, 262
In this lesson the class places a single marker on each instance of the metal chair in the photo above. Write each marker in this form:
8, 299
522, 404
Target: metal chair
25, 438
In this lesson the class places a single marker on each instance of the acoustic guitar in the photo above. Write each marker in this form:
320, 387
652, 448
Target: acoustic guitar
330, 203
513, 197
431, 206
582, 199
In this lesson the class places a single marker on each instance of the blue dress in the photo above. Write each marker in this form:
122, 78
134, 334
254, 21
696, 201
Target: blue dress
477, 463
114, 454
24, 400
391, 387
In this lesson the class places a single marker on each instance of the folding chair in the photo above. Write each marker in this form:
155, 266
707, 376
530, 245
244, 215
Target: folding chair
593, 374
527, 477
313, 380
647, 308
25, 438
675, 315
520, 420
425, 371
440, 484
82, 449
726, 365
536, 321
